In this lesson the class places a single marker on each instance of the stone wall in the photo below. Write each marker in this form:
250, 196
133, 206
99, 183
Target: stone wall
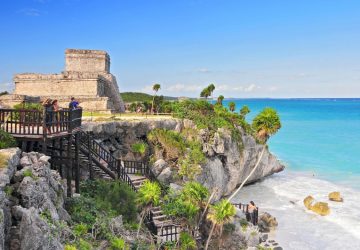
87, 77
87, 61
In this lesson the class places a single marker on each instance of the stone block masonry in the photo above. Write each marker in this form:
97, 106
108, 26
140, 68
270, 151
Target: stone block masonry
87, 77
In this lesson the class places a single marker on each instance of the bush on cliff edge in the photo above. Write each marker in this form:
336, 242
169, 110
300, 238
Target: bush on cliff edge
6, 140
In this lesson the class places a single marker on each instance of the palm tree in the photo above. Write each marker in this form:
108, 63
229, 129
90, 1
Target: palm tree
266, 123
244, 111
148, 195
232, 106
220, 214
155, 88
211, 88
220, 99
205, 93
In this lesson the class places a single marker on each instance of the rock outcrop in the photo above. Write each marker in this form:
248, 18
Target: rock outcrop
267, 222
32, 200
320, 208
229, 161
335, 196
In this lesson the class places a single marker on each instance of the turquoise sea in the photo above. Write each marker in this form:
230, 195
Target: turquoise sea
319, 143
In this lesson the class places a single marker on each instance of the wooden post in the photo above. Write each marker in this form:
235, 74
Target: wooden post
61, 155
44, 131
77, 164
69, 167
89, 157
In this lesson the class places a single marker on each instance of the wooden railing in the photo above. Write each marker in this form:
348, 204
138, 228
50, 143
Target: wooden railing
39, 123
250, 217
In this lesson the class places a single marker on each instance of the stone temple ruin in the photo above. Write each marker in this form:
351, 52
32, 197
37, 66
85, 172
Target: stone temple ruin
87, 77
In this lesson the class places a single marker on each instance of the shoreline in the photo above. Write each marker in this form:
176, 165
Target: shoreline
282, 196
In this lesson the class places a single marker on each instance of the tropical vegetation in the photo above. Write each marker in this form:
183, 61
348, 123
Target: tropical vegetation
265, 124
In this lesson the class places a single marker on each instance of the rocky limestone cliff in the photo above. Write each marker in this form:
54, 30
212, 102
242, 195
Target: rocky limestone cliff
32, 203
227, 165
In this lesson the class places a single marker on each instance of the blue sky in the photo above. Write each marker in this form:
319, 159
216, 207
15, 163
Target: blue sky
268, 48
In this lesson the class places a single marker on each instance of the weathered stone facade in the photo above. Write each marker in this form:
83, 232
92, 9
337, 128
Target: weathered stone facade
87, 77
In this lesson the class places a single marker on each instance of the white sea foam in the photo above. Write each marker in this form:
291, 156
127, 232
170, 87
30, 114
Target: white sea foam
282, 195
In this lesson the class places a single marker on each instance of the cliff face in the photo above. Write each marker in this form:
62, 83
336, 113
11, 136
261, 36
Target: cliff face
227, 164
32, 200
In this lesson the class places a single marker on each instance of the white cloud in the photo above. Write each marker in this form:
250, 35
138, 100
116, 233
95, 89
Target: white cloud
30, 12
183, 87
251, 88
203, 70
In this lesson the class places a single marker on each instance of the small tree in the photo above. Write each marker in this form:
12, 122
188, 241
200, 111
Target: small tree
232, 106
244, 111
148, 195
211, 88
220, 99
205, 93
155, 88
266, 123
219, 214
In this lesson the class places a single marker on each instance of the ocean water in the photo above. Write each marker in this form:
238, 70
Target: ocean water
319, 143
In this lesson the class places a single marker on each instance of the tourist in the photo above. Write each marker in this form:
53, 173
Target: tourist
74, 104
252, 209
56, 116
47, 104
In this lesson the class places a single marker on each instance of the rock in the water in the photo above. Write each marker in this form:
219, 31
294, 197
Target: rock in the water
267, 222
335, 196
321, 208
308, 201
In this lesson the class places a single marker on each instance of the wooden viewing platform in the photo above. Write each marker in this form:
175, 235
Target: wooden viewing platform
40, 125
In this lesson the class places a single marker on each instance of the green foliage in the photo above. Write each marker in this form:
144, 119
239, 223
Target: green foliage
156, 87
6, 140
188, 203
4, 93
266, 123
118, 244
140, 97
28, 106
221, 212
84, 245
80, 229
46, 216
220, 99
149, 193
232, 106
139, 147
70, 247
28, 173
172, 142
229, 228
9, 190
244, 111
187, 242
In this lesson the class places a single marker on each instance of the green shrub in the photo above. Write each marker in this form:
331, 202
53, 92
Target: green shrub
187, 242
118, 244
9, 190
83, 210
84, 245
139, 147
6, 140
28, 173
80, 229
69, 247
229, 228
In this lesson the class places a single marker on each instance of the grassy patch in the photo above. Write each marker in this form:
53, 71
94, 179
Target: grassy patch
139, 147
6, 140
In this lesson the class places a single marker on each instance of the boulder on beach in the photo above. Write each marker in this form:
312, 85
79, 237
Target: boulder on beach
320, 208
335, 196
266, 222
308, 202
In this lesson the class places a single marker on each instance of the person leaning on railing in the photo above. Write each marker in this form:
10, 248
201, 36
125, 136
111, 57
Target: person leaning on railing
47, 104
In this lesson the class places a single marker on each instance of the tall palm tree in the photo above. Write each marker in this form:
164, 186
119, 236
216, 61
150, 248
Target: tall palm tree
205, 93
244, 111
219, 214
155, 88
211, 88
220, 99
148, 195
266, 123
232, 106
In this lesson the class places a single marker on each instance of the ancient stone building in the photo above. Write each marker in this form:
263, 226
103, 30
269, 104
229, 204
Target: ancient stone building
86, 77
